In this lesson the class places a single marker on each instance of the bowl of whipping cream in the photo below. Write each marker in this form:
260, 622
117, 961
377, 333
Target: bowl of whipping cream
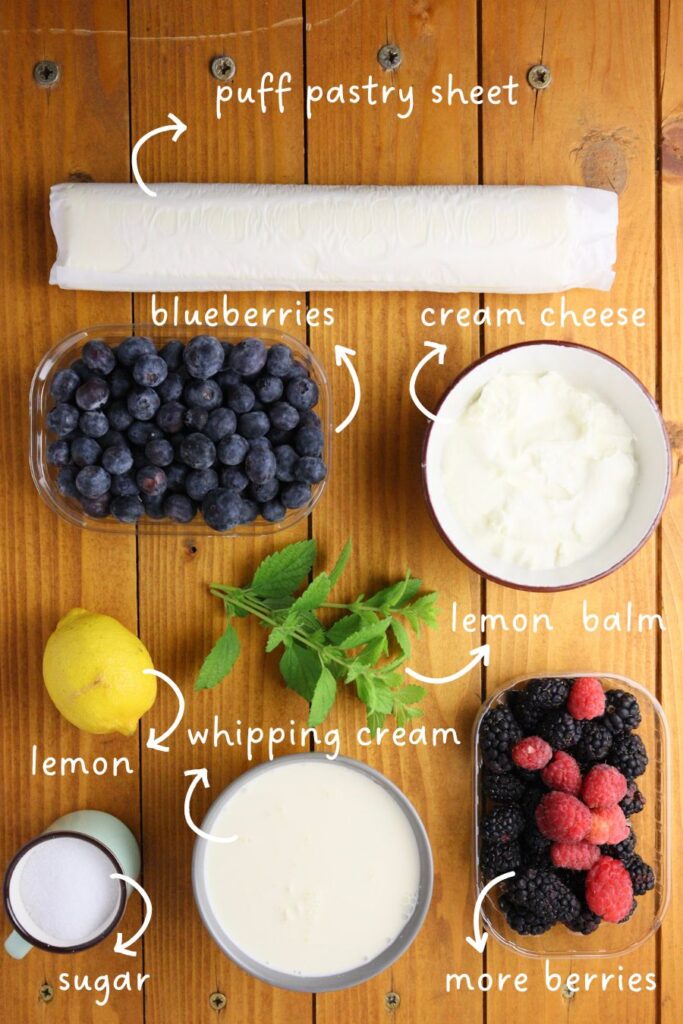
548, 465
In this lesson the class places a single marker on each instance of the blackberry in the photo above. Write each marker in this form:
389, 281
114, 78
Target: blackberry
530, 800
545, 893
622, 851
535, 849
497, 858
628, 754
560, 729
642, 875
548, 693
630, 913
504, 788
523, 921
585, 922
595, 742
503, 824
633, 802
497, 734
527, 713
622, 713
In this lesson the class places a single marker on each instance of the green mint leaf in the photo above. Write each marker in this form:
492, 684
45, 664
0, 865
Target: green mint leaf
313, 596
340, 564
281, 574
277, 636
323, 698
401, 636
396, 595
375, 721
365, 634
424, 609
373, 651
219, 660
374, 694
300, 669
343, 627
409, 694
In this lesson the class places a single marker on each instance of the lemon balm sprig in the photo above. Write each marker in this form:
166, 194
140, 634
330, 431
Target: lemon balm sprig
366, 645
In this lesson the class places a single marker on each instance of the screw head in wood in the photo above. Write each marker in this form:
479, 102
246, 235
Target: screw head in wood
218, 1001
390, 56
539, 76
46, 73
392, 1001
223, 68
46, 992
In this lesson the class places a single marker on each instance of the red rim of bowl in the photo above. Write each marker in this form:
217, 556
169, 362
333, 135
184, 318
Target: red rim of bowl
590, 579
38, 943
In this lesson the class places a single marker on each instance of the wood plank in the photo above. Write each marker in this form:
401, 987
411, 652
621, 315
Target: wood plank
80, 127
375, 486
594, 126
177, 614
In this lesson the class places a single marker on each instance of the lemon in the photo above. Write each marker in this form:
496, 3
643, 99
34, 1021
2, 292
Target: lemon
93, 669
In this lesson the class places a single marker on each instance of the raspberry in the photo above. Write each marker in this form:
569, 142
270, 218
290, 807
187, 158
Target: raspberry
609, 890
586, 698
503, 824
497, 734
560, 729
621, 712
506, 788
596, 739
563, 818
575, 856
532, 753
608, 825
628, 754
497, 858
604, 786
548, 693
642, 875
563, 773
633, 802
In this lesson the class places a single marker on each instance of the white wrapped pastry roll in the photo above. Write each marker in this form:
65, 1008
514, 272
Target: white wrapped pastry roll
445, 238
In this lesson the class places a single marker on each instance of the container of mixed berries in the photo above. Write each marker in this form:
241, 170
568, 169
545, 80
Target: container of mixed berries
572, 795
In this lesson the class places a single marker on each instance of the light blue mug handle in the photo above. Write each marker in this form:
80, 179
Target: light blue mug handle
16, 946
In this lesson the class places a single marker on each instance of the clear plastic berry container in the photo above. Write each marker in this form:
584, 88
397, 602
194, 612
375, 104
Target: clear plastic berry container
66, 351
651, 826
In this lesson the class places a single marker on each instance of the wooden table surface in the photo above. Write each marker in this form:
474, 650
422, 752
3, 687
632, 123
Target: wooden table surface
612, 117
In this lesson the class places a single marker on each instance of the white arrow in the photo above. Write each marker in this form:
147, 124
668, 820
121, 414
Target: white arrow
482, 653
152, 742
343, 355
124, 947
177, 127
480, 938
440, 352
201, 774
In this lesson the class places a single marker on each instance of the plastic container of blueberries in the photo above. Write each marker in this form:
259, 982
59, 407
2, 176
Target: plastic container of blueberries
651, 826
69, 349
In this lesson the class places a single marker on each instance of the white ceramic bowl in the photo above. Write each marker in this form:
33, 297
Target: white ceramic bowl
587, 370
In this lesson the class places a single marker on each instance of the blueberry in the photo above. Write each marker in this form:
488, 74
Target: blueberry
296, 370
196, 419
66, 482
273, 511
310, 470
130, 350
127, 509
118, 416
260, 443
199, 482
123, 486
92, 394
150, 371
171, 417
310, 419
204, 394
119, 383
118, 459
64, 384
279, 361
151, 481
240, 398
232, 451
93, 424
112, 438
295, 495
234, 479
79, 368
140, 433
203, 357
171, 389
228, 379
143, 403
286, 460
249, 512
198, 451
154, 506
222, 509
180, 508
159, 452
265, 491
260, 465
58, 453
248, 357
253, 424
97, 508
283, 416
268, 389
85, 451
309, 441
279, 437
176, 476
302, 393
92, 481
172, 354
98, 357
220, 424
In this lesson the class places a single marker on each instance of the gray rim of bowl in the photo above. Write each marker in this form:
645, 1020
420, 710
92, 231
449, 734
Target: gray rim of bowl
578, 583
324, 983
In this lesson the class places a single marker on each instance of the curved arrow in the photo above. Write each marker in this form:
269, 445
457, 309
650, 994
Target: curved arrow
440, 352
480, 938
176, 126
152, 742
201, 775
482, 653
343, 355
121, 946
